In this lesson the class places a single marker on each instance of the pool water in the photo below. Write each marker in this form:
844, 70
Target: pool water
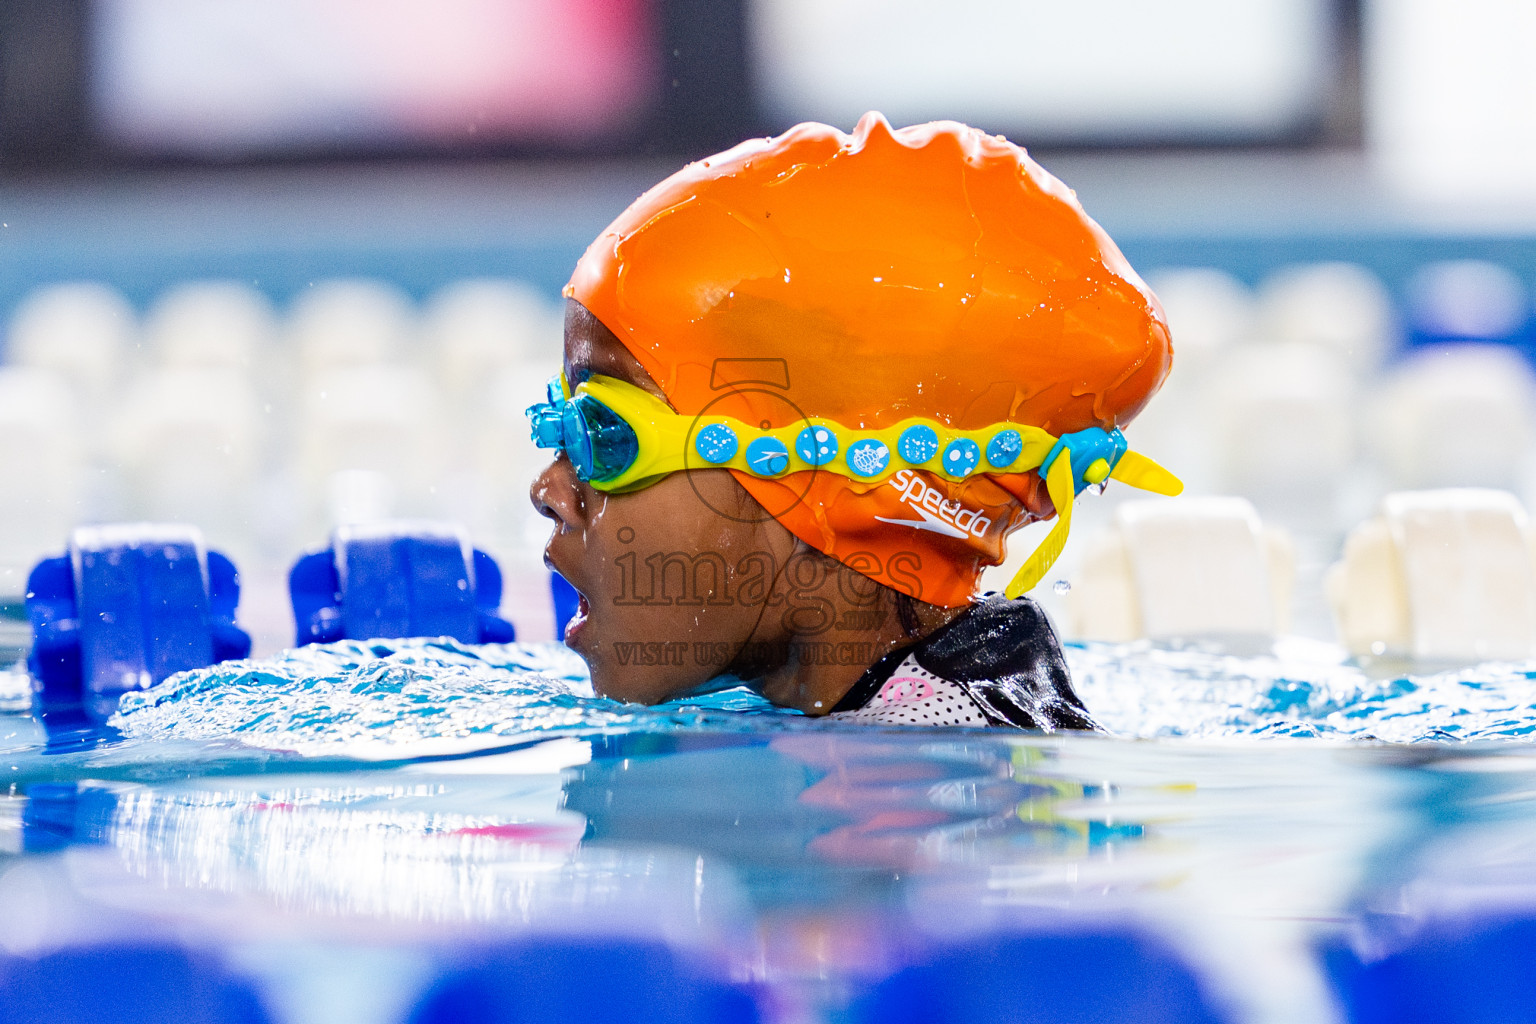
437, 695
338, 819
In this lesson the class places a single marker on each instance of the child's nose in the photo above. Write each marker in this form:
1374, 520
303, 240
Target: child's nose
557, 494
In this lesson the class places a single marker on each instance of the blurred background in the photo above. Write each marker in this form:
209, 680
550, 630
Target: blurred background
269, 265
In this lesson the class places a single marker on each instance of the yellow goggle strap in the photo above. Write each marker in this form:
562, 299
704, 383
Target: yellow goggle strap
1058, 484
1133, 468
1142, 473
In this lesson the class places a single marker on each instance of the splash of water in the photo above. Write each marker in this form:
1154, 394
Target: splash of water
394, 696
400, 693
1299, 689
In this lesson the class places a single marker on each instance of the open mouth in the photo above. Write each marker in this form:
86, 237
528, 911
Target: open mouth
573, 627
579, 619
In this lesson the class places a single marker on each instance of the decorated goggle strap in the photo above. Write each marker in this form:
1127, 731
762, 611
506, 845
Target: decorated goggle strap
621, 438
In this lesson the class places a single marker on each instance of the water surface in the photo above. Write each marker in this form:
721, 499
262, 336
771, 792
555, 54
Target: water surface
337, 818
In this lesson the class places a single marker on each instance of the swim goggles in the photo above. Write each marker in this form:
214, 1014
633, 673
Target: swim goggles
622, 438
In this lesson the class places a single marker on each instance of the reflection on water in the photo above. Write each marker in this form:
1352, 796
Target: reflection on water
788, 855
798, 821
1468, 848
15, 686
408, 849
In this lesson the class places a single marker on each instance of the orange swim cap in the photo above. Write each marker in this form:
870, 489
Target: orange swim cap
932, 271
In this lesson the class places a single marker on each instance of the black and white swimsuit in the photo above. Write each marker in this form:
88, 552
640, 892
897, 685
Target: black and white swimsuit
997, 664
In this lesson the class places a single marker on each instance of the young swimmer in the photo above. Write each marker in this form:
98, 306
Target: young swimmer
810, 386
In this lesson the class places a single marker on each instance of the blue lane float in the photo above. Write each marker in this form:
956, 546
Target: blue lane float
1071, 976
566, 600
1472, 971
594, 981
124, 608
61, 814
397, 579
125, 984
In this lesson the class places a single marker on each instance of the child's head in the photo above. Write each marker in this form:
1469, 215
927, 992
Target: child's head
820, 289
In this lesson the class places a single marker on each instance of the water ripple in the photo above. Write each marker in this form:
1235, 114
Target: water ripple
393, 694
1299, 689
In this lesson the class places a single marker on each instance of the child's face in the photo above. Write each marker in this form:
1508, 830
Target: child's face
635, 558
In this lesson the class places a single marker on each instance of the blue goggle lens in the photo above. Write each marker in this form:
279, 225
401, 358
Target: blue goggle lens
599, 443
574, 440
611, 445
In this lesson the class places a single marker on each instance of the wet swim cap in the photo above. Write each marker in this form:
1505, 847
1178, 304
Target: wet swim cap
932, 271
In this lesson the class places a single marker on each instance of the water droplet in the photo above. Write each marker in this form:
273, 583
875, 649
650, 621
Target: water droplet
1378, 648
1061, 587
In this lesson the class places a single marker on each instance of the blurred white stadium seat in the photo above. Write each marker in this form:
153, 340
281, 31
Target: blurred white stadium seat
1340, 306
1443, 575
480, 334
494, 344
1281, 419
190, 441
360, 496
491, 493
41, 464
1208, 309
1209, 312
475, 329
218, 324
1466, 300
382, 419
350, 322
83, 331
506, 461
1456, 416
1183, 568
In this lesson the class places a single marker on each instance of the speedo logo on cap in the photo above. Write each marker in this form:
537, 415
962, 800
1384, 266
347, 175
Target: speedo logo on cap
939, 515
